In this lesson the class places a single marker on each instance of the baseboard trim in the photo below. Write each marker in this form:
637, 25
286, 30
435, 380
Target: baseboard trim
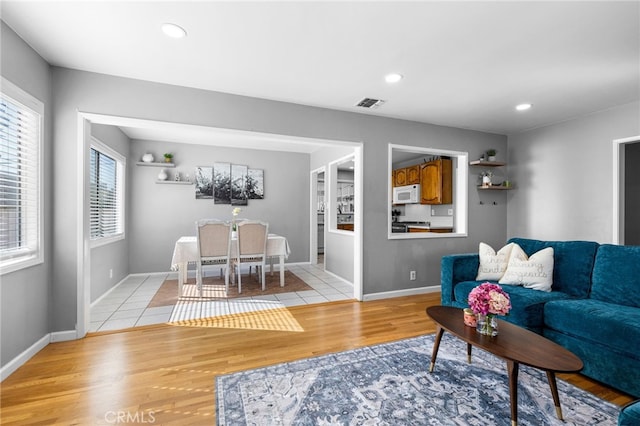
63, 336
106, 293
400, 293
25, 356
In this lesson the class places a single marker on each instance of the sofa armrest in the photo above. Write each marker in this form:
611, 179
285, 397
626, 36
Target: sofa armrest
456, 268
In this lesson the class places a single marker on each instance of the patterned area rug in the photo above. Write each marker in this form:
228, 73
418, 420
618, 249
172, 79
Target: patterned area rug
214, 288
389, 384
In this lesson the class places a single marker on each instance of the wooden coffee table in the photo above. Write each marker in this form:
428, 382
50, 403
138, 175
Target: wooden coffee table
515, 345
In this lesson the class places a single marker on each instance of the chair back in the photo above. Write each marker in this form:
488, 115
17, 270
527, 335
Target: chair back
214, 238
252, 238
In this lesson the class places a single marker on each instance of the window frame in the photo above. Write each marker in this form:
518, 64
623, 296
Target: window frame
121, 164
28, 257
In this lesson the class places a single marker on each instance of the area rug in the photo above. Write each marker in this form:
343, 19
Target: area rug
389, 384
214, 288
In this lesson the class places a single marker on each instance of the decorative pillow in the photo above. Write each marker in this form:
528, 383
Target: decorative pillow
492, 264
534, 272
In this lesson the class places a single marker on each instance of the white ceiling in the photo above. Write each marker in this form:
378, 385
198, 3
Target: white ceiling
466, 64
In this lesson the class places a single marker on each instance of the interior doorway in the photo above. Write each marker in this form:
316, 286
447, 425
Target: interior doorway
214, 136
632, 194
626, 191
318, 205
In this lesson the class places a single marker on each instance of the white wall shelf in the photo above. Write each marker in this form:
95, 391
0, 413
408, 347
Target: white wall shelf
174, 182
166, 165
495, 187
487, 163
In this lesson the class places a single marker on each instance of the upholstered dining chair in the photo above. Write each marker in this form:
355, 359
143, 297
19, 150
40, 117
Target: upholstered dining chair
214, 248
251, 248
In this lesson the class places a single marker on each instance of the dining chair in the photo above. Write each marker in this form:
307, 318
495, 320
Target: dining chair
214, 248
251, 248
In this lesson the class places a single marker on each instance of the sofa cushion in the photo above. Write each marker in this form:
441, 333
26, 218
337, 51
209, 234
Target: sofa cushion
591, 320
573, 263
526, 304
616, 275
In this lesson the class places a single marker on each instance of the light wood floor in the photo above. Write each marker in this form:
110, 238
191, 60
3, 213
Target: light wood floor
164, 374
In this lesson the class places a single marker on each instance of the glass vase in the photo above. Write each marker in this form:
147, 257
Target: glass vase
487, 325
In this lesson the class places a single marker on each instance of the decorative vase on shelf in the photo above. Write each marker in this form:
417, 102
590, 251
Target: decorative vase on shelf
147, 158
487, 325
162, 175
492, 158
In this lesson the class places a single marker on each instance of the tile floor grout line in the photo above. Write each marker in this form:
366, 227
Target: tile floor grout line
125, 301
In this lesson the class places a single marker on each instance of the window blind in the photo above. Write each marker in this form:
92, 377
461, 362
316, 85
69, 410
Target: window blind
19, 179
104, 197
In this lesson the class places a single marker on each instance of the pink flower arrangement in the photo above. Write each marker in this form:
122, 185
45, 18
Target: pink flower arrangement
489, 299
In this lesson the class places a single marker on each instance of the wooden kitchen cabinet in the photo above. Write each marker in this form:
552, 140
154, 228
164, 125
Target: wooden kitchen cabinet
436, 230
406, 176
400, 177
436, 182
413, 174
345, 226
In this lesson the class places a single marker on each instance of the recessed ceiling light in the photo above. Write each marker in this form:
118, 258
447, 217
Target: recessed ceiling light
393, 78
173, 30
523, 107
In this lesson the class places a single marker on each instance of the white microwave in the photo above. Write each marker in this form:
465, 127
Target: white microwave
409, 194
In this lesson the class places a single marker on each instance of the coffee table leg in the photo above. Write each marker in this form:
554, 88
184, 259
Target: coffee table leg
551, 376
469, 353
512, 369
436, 345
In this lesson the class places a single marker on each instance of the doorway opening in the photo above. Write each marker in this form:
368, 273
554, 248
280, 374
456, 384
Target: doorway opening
626, 191
215, 136
318, 206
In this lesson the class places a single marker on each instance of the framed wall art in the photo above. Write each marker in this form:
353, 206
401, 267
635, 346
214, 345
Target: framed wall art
255, 184
204, 183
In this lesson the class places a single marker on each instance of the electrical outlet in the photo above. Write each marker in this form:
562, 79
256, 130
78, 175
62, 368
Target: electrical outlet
110, 273
412, 275
450, 212
433, 212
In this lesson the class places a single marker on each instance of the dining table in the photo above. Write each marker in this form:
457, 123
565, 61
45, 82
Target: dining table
185, 251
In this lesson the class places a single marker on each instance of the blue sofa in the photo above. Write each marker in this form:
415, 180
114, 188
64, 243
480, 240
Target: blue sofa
593, 309
630, 415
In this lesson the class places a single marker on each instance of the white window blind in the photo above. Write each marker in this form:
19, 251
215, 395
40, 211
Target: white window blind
105, 193
20, 197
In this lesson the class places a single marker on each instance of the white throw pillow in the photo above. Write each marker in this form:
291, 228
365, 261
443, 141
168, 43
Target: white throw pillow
534, 272
492, 264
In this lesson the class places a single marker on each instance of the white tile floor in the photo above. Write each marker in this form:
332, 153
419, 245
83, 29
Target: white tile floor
126, 305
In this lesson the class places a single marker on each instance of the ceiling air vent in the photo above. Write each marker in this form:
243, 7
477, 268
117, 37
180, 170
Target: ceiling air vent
370, 103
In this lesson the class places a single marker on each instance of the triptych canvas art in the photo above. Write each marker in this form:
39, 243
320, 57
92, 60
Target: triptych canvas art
228, 183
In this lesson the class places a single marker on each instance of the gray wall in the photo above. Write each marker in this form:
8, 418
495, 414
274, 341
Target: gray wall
113, 256
632, 194
160, 214
25, 294
564, 176
385, 262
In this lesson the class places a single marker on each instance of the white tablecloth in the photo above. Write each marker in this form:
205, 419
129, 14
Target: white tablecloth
186, 250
